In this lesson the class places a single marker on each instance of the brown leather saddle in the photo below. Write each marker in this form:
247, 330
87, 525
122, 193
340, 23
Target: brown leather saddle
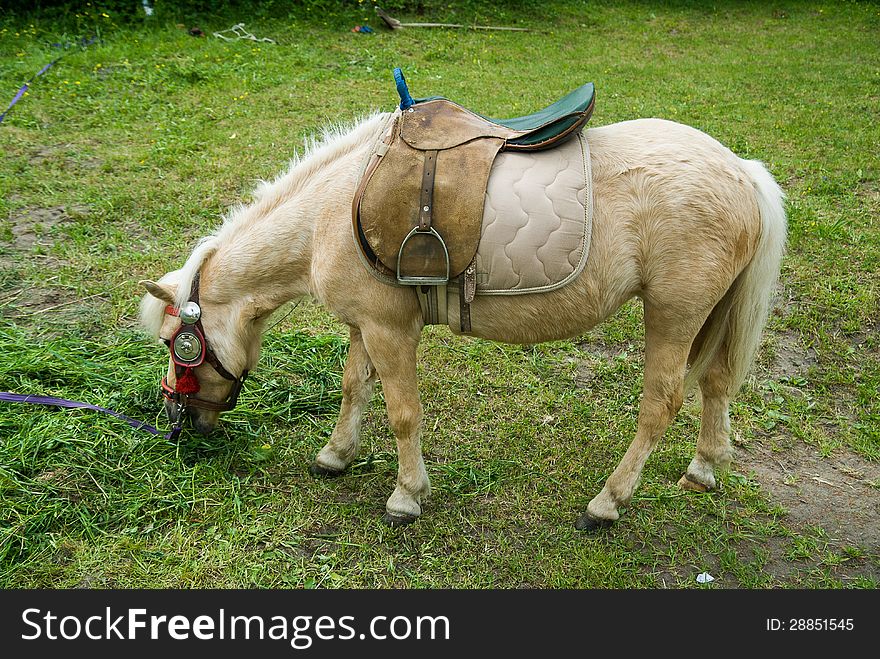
418, 209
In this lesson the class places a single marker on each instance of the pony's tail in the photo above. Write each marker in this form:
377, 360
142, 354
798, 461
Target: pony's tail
741, 314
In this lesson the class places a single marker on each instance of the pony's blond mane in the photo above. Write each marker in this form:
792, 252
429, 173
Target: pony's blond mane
335, 141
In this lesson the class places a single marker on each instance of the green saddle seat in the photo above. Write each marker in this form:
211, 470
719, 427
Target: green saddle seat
452, 123
555, 119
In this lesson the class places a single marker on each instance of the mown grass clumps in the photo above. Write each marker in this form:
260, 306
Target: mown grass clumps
85, 474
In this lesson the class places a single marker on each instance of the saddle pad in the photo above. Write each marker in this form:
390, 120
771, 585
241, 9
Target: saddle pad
537, 220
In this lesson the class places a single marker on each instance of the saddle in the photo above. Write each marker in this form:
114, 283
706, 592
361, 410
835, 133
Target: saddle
418, 209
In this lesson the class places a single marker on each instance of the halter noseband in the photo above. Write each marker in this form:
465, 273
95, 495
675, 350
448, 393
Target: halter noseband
190, 349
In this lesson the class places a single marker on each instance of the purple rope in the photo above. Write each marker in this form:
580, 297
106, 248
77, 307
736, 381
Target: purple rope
8, 397
83, 43
25, 87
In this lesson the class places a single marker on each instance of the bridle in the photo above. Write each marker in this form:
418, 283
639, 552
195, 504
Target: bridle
189, 349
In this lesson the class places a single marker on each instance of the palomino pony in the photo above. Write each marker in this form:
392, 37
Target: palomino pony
679, 221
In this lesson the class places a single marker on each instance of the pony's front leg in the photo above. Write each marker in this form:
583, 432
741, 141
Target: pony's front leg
358, 379
394, 356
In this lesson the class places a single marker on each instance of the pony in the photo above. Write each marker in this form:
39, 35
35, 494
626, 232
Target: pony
680, 222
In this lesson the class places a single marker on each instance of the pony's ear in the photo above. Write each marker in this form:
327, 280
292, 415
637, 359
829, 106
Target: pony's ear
163, 292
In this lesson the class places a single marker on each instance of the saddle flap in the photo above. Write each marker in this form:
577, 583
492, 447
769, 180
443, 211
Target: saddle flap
387, 207
441, 124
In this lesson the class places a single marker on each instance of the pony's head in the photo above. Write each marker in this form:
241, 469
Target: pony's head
212, 333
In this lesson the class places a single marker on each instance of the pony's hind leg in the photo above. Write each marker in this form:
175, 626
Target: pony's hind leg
713, 445
665, 362
358, 379
394, 354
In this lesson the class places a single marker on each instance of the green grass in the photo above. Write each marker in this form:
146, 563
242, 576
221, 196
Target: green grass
122, 155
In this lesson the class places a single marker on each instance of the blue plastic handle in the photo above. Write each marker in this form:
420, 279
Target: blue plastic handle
405, 99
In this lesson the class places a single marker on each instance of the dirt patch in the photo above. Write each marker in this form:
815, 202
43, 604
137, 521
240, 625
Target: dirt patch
24, 303
61, 154
584, 373
867, 339
792, 359
605, 350
34, 226
839, 493
585, 369
26, 239
868, 189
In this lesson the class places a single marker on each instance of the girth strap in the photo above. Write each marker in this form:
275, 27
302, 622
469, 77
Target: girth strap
432, 300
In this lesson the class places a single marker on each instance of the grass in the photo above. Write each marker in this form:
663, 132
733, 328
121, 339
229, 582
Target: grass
122, 155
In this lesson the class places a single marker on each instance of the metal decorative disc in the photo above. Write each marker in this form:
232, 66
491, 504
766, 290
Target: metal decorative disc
190, 313
187, 347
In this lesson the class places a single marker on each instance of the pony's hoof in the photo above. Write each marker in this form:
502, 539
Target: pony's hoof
318, 471
691, 484
590, 524
398, 520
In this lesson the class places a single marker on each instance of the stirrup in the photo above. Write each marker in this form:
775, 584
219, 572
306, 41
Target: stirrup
423, 259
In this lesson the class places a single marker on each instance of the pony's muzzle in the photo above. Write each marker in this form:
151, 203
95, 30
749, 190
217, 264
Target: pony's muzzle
203, 421
203, 426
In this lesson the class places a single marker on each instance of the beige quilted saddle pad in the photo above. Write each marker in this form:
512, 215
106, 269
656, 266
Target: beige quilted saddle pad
536, 221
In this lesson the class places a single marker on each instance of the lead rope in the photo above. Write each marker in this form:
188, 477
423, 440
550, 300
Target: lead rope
9, 397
